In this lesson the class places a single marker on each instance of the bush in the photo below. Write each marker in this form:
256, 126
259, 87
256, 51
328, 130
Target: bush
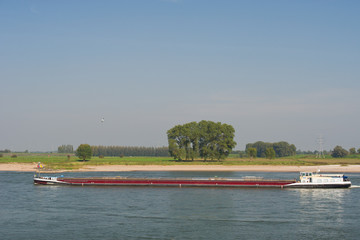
14, 156
1, 155
101, 156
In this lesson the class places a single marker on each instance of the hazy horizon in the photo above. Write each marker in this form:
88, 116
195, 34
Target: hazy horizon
274, 70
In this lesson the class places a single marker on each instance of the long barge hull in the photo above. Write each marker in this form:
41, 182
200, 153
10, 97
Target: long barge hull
255, 183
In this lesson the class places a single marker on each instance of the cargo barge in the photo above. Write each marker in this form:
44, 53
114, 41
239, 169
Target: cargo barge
307, 180
177, 182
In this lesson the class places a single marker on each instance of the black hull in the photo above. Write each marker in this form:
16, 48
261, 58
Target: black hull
319, 186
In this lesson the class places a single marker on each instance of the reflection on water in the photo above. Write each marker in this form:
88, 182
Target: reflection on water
327, 204
319, 195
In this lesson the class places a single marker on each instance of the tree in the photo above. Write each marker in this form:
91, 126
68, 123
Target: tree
251, 152
176, 151
339, 152
352, 151
216, 140
191, 130
84, 152
358, 151
270, 153
178, 142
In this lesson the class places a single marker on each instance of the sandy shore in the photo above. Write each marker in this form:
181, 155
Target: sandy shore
31, 167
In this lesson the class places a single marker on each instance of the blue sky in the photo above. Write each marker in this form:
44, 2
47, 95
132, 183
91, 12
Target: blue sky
275, 70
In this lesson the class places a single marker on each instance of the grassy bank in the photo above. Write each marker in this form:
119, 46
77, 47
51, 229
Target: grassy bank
61, 161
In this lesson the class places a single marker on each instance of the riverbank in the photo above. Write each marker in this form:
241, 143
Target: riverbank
31, 167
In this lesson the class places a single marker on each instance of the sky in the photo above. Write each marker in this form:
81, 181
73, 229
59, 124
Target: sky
274, 70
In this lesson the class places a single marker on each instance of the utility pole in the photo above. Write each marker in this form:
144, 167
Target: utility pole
320, 153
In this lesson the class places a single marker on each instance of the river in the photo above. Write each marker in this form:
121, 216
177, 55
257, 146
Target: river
30, 211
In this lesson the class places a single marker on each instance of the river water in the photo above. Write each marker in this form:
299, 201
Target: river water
30, 211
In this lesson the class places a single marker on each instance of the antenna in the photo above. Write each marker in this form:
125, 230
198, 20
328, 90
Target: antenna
320, 153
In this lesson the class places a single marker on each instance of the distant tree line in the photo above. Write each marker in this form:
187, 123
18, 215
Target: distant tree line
66, 149
308, 152
5, 151
194, 140
270, 150
337, 152
120, 151
206, 139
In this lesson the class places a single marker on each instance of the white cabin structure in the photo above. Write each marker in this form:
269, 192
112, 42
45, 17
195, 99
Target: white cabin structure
320, 180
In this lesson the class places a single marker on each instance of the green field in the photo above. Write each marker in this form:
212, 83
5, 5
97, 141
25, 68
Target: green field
56, 161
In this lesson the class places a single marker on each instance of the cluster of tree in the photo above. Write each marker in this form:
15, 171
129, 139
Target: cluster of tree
352, 151
129, 151
270, 150
206, 139
340, 152
66, 149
